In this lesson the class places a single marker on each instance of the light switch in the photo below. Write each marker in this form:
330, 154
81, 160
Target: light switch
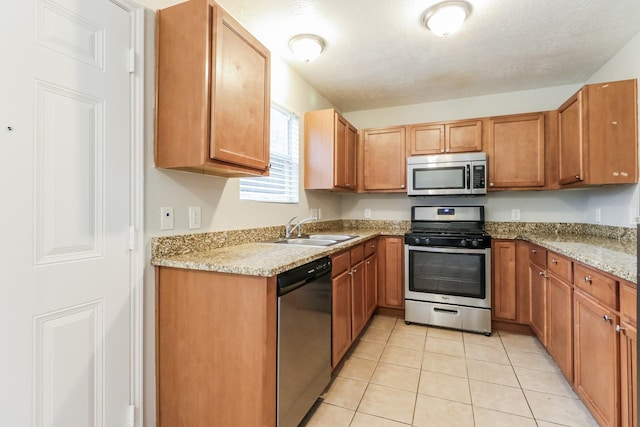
195, 217
166, 218
367, 213
515, 214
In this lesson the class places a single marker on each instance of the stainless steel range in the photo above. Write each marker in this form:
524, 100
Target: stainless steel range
448, 268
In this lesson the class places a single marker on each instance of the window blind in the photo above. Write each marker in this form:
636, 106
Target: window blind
282, 184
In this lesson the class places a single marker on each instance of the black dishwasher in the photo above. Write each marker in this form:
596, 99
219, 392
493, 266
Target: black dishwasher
304, 339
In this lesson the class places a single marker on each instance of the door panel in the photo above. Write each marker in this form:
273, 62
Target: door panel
65, 298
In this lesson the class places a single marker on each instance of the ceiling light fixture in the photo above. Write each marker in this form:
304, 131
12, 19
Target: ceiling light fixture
447, 17
306, 47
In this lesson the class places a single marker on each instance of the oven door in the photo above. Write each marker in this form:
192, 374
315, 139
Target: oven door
448, 275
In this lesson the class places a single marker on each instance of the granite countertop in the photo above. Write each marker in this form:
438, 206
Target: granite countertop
263, 258
614, 256
610, 249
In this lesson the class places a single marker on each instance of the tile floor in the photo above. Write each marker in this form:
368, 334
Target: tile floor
399, 375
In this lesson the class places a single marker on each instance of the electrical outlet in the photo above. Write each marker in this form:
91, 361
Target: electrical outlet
313, 212
166, 218
598, 215
195, 217
515, 214
367, 213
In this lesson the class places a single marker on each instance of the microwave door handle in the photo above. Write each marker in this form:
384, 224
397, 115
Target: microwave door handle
468, 177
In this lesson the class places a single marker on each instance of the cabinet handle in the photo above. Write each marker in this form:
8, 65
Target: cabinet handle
533, 251
554, 261
587, 279
606, 318
620, 328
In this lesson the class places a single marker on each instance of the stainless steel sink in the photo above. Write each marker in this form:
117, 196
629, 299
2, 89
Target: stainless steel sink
314, 239
338, 237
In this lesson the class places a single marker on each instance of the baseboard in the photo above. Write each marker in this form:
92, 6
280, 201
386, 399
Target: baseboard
516, 328
392, 312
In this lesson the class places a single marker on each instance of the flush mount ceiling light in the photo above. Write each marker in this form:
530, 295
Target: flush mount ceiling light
447, 17
306, 47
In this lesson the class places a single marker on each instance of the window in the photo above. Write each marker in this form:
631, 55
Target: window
281, 186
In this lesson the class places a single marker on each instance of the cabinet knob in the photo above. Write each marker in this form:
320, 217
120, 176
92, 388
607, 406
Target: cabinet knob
578, 177
533, 251
442, 150
614, 123
402, 186
606, 318
587, 279
368, 262
491, 184
355, 270
619, 328
554, 261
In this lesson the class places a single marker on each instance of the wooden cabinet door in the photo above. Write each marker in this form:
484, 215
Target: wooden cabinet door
358, 309
391, 272
426, 139
371, 285
516, 151
538, 285
559, 308
341, 156
629, 375
351, 163
570, 141
612, 126
596, 377
340, 317
504, 280
523, 287
241, 101
385, 159
463, 136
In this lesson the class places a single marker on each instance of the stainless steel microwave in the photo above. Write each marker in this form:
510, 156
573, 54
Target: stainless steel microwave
447, 174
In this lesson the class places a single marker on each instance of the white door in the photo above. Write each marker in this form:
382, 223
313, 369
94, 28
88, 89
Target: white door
65, 321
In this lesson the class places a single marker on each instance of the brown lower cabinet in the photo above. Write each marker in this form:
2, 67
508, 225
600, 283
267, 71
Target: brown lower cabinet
351, 297
585, 318
596, 358
215, 360
391, 272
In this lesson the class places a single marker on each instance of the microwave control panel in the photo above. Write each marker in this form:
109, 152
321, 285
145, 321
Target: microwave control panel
479, 176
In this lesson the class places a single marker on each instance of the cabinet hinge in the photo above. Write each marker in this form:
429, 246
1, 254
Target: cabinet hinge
132, 60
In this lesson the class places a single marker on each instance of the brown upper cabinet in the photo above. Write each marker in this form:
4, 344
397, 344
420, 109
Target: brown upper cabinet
384, 160
598, 135
450, 137
329, 152
213, 93
516, 151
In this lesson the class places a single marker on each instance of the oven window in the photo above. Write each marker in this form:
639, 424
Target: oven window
439, 178
447, 273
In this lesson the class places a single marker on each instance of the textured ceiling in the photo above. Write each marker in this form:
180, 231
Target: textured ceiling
378, 54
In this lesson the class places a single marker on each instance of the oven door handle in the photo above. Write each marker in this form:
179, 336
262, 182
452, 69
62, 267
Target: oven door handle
447, 250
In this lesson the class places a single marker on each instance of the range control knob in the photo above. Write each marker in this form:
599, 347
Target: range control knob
463, 242
416, 240
426, 240
475, 243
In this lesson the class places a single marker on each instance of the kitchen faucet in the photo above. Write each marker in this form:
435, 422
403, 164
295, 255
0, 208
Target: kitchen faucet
289, 229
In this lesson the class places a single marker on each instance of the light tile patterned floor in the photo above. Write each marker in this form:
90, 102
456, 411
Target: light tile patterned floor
400, 375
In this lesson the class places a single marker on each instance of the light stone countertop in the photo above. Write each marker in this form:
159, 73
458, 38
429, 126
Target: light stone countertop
611, 256
613, 251
260, 258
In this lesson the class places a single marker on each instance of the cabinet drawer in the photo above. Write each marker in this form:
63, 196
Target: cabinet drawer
357, 254
560, 266
596, 284
628, 302
538, 255
341, 263
370, 247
